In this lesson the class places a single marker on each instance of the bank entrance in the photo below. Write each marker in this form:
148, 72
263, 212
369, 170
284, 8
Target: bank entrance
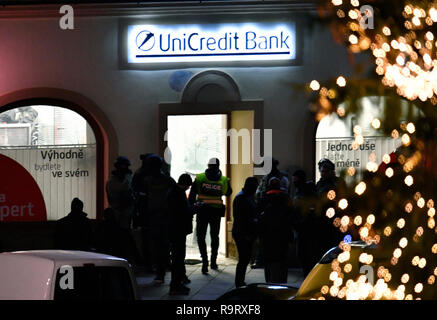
193, 137
192, 141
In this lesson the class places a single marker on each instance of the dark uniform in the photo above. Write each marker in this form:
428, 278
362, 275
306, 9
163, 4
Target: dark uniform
157, 187
140, 220
276, 232
305, 221
180, 225
260, 197
244, 227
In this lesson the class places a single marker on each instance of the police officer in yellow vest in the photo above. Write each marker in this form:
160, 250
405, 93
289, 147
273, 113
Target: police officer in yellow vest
206, 196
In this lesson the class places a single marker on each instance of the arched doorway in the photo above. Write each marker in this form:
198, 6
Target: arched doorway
104, 135
210, 102
335, 137
58, 148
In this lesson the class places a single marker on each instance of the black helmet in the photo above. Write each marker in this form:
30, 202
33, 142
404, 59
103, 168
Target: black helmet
121, 160
145, 156
154, 161
185, 179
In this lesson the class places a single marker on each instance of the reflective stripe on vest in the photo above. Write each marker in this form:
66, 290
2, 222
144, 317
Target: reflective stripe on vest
210, 201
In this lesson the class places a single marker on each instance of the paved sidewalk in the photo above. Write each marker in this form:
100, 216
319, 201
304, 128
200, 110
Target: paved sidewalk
206, 287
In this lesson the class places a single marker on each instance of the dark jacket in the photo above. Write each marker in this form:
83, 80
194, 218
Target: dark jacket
275, 227
329, 235
245, 215
304, 205
110, 238
325, 185
263, 186
74, 232
157, 187
139, 190
180, 213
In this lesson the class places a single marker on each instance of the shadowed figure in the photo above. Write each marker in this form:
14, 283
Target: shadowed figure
112, 239
157, 187
275, 230
140, 222
120, 194
260, 197
244, 227
74, 232
327, 235
304, 201
180, 225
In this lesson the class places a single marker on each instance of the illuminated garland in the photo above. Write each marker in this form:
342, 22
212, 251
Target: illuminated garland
393, 206
400, 35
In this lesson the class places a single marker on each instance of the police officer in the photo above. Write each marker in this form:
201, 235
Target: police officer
206, 195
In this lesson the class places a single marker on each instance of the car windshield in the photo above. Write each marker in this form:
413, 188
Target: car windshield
94, 283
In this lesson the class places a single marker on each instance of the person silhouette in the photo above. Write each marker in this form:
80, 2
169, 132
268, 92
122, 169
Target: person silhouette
119, 192
157, 187
111, 238
244, 226
260, 197
74, 232
276, 232
180, 225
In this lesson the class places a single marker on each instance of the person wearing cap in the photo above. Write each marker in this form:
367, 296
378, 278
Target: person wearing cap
206, 194
120, 194
275, 232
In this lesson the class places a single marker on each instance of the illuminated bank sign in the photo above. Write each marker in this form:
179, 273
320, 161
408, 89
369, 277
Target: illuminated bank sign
218, 42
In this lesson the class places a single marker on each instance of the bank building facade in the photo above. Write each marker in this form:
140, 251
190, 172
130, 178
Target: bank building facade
84, 83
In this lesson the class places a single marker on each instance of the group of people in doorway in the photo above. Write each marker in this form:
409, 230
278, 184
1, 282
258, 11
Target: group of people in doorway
266, 220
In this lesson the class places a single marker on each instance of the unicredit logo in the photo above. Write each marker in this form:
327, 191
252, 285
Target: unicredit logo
224, 42
145, 40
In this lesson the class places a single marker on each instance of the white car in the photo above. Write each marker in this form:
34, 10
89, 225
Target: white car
65, 275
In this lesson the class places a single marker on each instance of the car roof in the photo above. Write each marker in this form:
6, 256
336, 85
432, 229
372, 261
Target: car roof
65, 255
30, 274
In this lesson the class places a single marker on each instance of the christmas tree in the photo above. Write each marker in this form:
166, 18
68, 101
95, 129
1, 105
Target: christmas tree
392, 207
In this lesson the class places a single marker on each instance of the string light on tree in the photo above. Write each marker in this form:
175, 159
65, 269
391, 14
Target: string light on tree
385, 206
